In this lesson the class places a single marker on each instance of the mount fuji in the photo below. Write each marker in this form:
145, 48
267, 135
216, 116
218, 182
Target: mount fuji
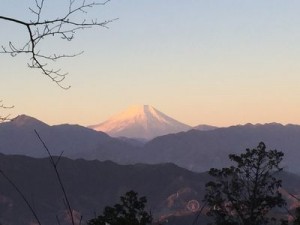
142, 122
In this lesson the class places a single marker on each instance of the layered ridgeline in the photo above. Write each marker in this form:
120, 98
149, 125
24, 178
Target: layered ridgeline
174, 194
92, 185
195, 150
201, 150
142, 122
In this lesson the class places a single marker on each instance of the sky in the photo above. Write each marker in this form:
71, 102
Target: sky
217, 62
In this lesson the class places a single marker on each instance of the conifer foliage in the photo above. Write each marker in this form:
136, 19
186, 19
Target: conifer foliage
131, 211
245, 193
297, 217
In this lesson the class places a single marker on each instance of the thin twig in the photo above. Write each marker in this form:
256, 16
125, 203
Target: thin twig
5, 118
198, 214
54, 165
294, 196
64, 27
13, 184
57, 220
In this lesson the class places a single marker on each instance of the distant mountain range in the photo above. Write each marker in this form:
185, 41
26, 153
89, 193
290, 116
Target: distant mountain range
195, 149
204, 127
141, 122
92, 185
201, 150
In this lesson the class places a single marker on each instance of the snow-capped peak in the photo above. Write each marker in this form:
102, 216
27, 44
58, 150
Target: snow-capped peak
140, 121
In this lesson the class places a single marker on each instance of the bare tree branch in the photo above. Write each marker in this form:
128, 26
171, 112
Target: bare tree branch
54, 165
6, 117
13, 184
64, 27
294, 196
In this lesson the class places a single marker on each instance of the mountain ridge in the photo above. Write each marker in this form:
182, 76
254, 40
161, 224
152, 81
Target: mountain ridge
74, 141
92, 185
201, 150
195, 150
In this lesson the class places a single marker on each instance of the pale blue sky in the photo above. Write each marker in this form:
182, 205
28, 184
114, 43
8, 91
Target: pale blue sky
215, 62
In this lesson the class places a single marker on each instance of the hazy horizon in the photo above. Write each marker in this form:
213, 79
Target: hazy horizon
113, 116
201, 62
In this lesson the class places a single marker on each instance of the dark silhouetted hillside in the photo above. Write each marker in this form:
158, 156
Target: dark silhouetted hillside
18, 137
91, 185
201, 150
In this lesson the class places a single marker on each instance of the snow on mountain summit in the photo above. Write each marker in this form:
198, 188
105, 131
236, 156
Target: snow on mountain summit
140, 121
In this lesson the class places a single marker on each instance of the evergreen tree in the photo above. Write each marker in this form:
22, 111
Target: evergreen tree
297, 216
245, 193
131, 211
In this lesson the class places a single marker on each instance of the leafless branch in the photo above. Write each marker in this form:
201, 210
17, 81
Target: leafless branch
14, 185
54, 165
64, 27
57, 220
294, 196
6, 117
199, 213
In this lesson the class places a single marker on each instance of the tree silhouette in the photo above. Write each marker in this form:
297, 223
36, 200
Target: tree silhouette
297, 217
131, 211
245, 193
43, 28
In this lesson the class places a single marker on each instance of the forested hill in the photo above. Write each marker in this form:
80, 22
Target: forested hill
91, 185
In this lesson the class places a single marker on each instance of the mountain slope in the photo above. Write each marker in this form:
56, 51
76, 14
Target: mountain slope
92, 185
195, 150
18, 137
201, 150
140, 122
